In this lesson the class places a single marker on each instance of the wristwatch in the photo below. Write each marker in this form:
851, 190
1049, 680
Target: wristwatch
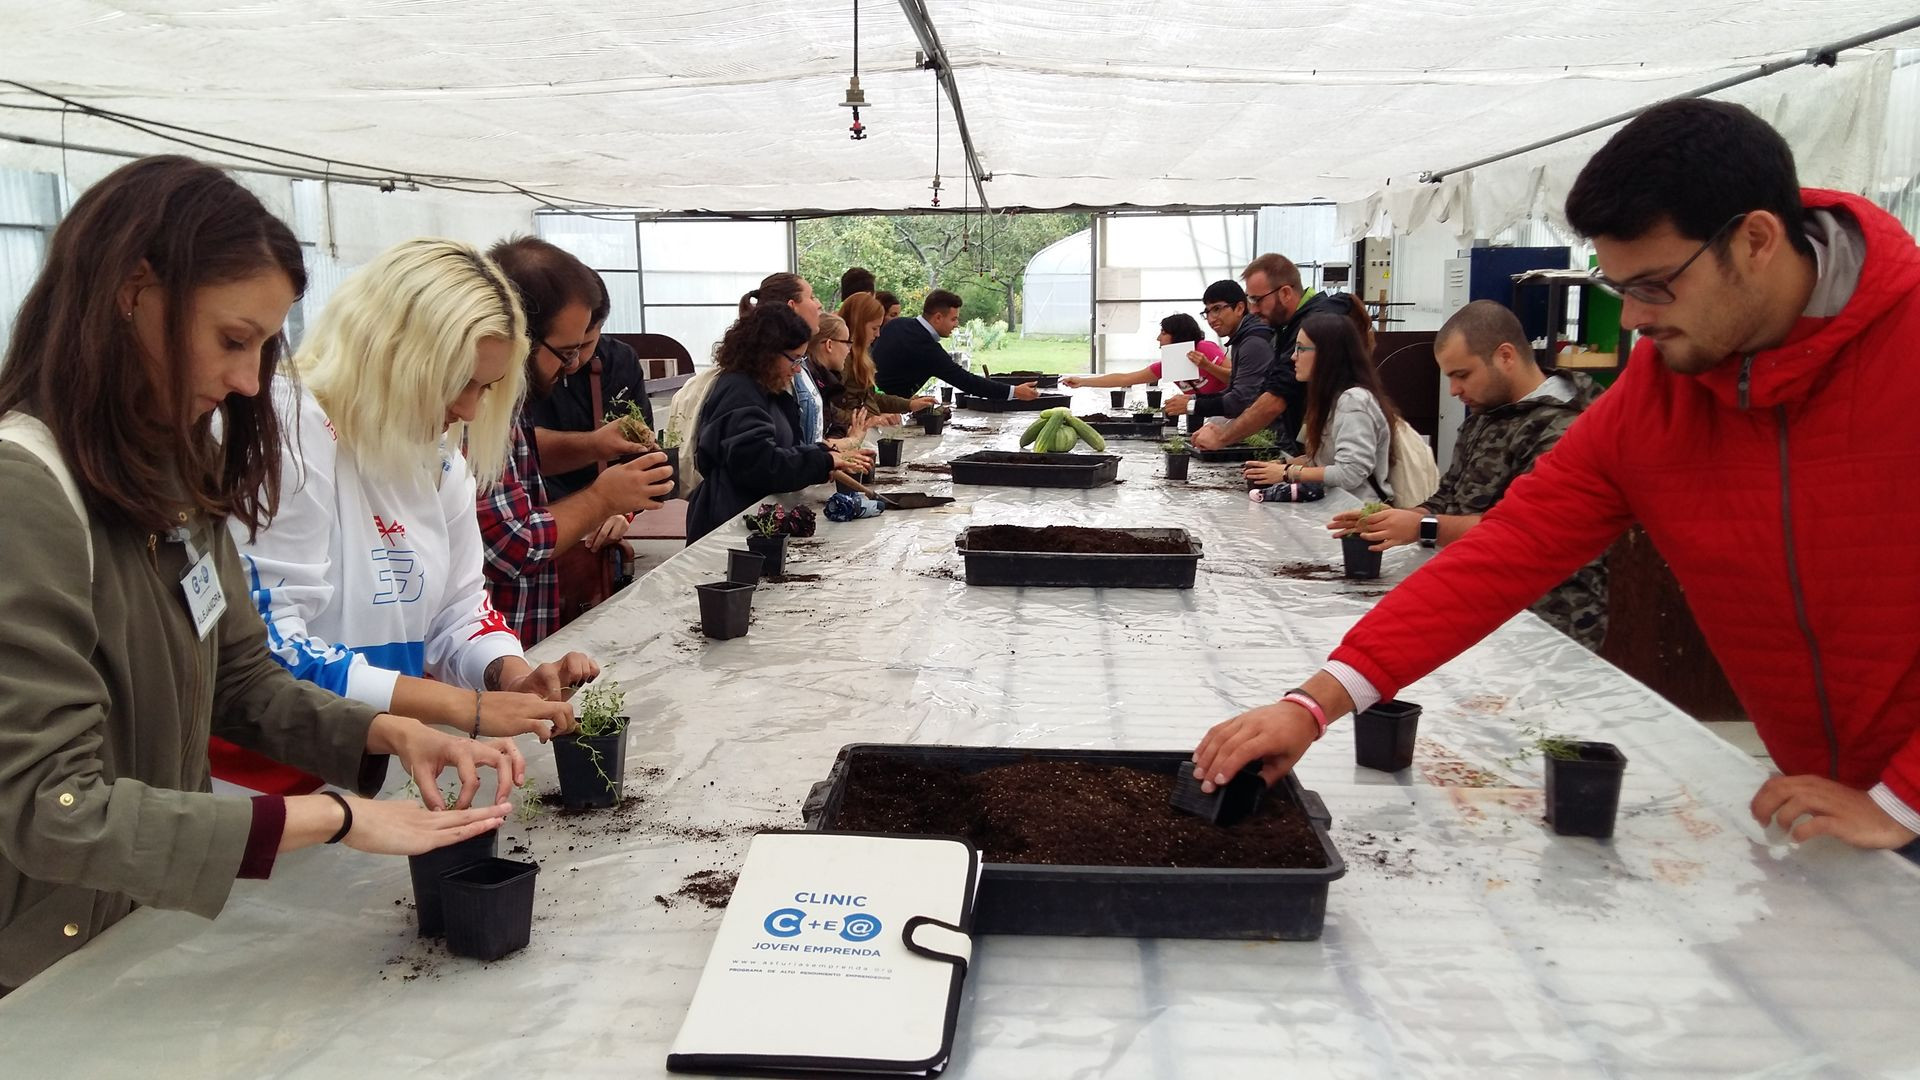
1429, 531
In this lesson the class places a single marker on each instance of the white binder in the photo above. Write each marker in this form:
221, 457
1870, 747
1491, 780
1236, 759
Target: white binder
841, 952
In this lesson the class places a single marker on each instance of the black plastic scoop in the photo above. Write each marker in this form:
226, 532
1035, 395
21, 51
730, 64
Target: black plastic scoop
912, 500
1228, 804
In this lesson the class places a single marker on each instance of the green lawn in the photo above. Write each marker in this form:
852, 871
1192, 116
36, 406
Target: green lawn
1036, 354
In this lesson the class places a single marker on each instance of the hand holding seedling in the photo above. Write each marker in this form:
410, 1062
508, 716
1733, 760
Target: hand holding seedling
612, 440
556, 680
639, 484
424, 753
1387, 528
1810, 806
504, 713
1209, 437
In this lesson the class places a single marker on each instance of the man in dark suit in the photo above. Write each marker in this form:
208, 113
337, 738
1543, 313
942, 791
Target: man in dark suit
908, 352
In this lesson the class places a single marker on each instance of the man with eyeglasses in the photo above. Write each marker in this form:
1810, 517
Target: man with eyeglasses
1249, 343
1274, 295
1762, 435
525, 534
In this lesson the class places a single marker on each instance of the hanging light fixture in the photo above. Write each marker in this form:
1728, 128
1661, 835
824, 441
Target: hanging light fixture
856, 98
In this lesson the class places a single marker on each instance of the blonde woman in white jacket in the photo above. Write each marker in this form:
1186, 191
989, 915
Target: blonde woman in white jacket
369, 578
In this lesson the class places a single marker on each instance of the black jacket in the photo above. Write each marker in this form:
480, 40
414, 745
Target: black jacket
905, 356
571, 408
1281, 381
748, 449
1251, 349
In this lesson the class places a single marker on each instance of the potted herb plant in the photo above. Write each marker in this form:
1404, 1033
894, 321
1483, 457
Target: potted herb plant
1362, 562
933, 419
670, 446
766, 538
1266, 452
427, 867
1179, 456
1153, 398
592, 761
890, 450
1383, 736
1583, 785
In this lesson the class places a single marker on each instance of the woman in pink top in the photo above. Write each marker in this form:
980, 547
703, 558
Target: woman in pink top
1210, 358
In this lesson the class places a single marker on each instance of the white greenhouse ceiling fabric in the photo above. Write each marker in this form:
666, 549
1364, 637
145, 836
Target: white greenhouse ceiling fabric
733, 107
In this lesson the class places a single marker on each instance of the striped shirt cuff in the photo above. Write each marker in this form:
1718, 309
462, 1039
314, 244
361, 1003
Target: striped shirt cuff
1358, 688
1885, 799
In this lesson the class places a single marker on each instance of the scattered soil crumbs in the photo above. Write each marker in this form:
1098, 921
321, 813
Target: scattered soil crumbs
1385, 853
974, 428
625, 812
941, 469
1069, 814
1070, 540
1308, 571
947, 573
791, 579
708, 888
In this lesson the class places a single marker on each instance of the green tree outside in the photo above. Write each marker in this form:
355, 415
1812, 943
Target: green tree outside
981, 259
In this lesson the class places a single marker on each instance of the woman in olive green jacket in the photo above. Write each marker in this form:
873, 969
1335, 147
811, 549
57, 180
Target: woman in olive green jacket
161, 303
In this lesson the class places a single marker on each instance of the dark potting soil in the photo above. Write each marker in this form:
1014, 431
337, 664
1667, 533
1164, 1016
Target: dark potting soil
1308, 571
1069, 540
974, 428
941, 469
1062, 813
708, 888
784, 579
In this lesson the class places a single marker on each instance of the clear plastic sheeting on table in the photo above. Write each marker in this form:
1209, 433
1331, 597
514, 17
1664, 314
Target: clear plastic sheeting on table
1465, 939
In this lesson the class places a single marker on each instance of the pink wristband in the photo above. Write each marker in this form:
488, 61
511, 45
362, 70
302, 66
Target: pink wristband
1305, 701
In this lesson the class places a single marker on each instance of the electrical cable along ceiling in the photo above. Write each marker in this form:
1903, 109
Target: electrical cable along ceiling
674, 105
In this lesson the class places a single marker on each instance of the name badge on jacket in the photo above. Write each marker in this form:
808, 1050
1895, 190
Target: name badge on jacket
200, 585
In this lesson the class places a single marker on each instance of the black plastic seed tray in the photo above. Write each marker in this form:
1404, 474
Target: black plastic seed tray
1128, 429
1117, 901
1232, 453
1010, 468
1044, 401
1021, 378
1084, 571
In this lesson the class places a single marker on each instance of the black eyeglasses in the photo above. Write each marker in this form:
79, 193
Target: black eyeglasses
567, 356
1254, 299
1660, 290
1214, 309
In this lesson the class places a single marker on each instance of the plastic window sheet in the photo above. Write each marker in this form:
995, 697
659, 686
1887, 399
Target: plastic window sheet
1465, 939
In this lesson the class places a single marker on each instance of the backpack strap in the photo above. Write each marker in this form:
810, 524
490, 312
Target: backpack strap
28, 433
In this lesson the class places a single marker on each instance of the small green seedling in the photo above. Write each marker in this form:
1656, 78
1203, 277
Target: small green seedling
633, 423
1366, 511
527, 802
1177, 445
598, 710
1537, 739
1264, 439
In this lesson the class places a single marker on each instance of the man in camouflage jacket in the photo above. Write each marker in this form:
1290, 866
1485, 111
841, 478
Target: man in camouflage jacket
1516, 413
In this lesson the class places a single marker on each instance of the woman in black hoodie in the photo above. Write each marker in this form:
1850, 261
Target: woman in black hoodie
750, 443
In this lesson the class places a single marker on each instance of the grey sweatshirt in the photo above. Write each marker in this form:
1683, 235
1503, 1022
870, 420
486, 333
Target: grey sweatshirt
1357, 443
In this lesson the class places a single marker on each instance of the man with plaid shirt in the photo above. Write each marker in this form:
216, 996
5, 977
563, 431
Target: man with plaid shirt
524, 533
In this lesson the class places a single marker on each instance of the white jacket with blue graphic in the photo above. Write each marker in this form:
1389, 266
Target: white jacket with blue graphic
361, 579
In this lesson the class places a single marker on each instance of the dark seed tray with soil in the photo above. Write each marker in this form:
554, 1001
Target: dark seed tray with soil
1071, 540
1085, 843
1068, 556
1061, 813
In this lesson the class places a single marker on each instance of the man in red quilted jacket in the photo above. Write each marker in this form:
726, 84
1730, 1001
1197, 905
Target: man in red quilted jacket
1761, 433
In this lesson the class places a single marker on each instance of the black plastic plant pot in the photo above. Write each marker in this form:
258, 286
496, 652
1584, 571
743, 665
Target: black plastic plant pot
1195, 422
745, 567
591, 768
1252, 481
933, 421
1177, 465
1144, 417
890, 452
725, 607
1119, 399
946, 395
1583, 793
489, 907
773, 549
1362, 563
1383, 736
673, 462
1117, 901
1153, 399
427, 867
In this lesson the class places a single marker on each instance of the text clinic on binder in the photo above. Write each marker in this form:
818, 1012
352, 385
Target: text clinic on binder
839, 951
